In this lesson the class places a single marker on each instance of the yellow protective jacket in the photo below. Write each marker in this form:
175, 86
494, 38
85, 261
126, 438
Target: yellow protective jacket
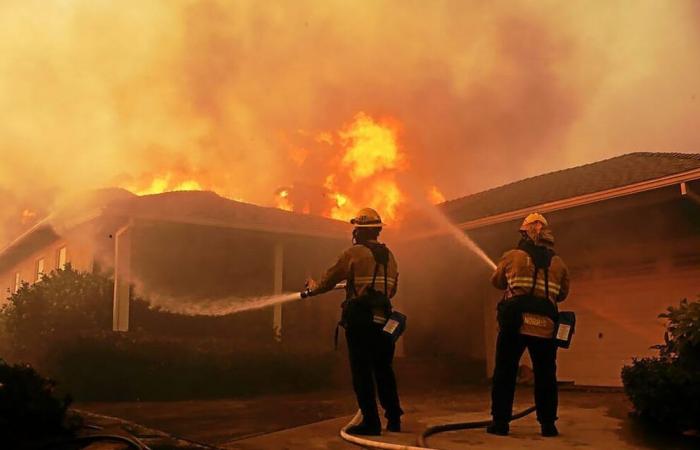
356, 266
515, 271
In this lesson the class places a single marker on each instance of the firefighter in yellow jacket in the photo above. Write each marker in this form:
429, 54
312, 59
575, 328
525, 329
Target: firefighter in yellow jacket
372, 280
535, 280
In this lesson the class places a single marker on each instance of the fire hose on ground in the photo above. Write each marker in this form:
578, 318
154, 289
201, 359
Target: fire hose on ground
131, 441
441, 428
423, 437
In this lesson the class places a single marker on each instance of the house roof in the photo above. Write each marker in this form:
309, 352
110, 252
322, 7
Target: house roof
607, 175
187, 207
208, 208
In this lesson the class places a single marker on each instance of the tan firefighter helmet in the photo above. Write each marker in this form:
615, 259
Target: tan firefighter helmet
532, 218
367, 218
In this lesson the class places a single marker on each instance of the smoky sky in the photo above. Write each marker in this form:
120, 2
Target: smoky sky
96, 93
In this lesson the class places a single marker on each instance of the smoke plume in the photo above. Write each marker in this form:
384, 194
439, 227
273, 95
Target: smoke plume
95, 93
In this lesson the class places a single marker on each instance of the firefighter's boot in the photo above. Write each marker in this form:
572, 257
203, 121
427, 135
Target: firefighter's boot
498, 428
366, 428
549, 429
393, 424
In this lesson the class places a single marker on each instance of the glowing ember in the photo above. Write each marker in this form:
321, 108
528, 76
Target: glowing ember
435, 196
282, 200
28, 216
340, 200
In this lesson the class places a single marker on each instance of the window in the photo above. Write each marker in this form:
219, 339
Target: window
62, 258
39, 269
18, 281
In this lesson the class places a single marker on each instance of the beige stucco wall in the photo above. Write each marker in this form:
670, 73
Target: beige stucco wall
78, 253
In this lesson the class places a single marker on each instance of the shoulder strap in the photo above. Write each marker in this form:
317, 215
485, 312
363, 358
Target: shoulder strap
379, 252
351, 281
374, 275
541, 258
381, 258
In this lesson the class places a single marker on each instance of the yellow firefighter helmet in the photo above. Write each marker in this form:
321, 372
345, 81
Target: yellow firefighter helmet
367, 218
532, 218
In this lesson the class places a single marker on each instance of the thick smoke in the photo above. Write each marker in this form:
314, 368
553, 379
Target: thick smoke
100, 93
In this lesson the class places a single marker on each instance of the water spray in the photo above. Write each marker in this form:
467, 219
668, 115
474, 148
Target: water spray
441, 219
460, 235
228, 305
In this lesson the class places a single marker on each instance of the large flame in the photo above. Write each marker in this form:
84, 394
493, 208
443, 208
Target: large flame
360, 166
365, 174
166, 183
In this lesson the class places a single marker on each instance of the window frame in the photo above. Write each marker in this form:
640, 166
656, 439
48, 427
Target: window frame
40, 267
62, 250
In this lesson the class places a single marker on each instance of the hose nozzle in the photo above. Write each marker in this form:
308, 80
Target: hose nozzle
308, 292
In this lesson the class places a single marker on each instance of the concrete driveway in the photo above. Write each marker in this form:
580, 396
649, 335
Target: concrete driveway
595, 420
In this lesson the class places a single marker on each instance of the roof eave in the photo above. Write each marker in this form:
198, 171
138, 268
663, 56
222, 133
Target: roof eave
581, 200
240, 225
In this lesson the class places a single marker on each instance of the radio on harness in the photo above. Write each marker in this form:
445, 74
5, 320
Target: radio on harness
395, 326
566, 326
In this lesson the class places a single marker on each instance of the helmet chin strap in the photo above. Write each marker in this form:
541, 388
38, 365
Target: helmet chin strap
529, 237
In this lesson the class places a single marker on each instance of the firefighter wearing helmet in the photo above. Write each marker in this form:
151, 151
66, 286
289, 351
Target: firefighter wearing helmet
535, 280
372, 276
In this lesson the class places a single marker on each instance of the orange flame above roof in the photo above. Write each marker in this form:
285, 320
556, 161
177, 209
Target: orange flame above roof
365, 174
356, 166
360, 165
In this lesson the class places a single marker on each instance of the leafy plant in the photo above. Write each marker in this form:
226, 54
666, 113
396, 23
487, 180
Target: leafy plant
29, 406
682, 336
62, 324
64, 302
666, 389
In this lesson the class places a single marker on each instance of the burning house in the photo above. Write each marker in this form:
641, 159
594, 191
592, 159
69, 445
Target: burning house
184, 250
627, 227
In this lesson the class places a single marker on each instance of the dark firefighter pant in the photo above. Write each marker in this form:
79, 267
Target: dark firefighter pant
543, 353
371, 352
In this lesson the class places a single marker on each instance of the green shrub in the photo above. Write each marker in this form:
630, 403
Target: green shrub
133, 366
666, 389
682, 338
29, 407
63, 303
62, 325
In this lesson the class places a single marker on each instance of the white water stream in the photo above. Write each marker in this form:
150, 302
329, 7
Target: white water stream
220, 306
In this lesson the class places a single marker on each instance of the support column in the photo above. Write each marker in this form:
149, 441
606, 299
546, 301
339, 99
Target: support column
122, 279
277, 289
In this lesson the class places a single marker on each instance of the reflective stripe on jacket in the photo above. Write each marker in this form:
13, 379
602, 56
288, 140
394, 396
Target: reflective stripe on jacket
514, 274
356, 265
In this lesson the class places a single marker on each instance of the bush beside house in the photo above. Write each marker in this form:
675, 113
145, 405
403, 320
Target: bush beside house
62, 326
665, 390
31, 412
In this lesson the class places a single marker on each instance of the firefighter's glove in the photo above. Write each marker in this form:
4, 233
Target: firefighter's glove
309, 286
